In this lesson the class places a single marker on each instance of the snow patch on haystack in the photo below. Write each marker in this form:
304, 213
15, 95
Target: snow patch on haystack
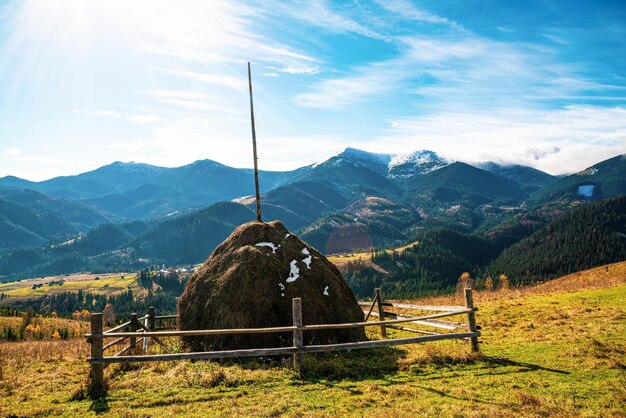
271, 245
294, 272
308, 259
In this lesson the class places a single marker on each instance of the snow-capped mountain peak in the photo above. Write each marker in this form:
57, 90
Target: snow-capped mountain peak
365, 155
416, 162
389, 165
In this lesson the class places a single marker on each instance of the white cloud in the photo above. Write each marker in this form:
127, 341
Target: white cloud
558, 141
12, 152
306, 69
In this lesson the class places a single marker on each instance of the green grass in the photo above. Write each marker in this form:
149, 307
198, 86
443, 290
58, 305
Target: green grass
103, 285
558, 354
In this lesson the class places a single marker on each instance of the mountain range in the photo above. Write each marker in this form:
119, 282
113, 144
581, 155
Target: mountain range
354, 200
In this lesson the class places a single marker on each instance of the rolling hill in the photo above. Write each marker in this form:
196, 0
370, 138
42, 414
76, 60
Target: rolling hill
530, 179
461, 183
29, 218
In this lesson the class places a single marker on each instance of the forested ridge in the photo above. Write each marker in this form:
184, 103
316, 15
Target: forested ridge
586, 237
590, 236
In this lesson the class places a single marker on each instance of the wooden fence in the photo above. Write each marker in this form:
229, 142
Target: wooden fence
146, 328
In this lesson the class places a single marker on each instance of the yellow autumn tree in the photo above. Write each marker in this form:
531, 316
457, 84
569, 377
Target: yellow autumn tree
489, 283
503, 280
84, 315
465, 281
108, 315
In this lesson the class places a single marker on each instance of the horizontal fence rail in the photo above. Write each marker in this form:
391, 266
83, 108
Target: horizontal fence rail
288, 328
418, 307
145, 327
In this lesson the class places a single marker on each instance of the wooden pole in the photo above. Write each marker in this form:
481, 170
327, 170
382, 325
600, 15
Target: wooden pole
96, 376
381, 313
296, 309
471, 318
256, 165
133, 328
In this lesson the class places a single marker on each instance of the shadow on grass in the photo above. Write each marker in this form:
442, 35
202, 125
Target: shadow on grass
491, 366
99, 405
339, 365
491, 363
526, 367
352, 365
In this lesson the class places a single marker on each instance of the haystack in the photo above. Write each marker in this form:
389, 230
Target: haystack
249, 281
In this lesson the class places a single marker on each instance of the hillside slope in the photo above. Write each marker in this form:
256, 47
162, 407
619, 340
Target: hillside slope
589, 236
367, 223
600, 181
548, 353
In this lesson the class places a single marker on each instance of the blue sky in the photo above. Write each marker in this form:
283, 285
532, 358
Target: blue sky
86, 83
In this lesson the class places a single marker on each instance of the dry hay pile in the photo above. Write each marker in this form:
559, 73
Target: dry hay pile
249, 281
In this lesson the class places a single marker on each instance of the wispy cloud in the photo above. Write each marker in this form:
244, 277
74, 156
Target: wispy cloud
460, 70
362, 84
555, 38
194, 100
319, 13
223, 80
213, 33
408, 10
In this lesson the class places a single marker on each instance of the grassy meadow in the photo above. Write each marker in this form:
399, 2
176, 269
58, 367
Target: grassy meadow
557, 349
364, 259
103, 283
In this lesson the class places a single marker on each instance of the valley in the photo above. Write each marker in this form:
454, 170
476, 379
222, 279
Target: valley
353, 203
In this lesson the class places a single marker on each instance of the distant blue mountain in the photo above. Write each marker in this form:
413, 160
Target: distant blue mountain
143, 191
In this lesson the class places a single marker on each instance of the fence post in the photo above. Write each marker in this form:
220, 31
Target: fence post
152, 318
96, 376
133, 328
150, 323
296, 310
381, 313
471, 318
